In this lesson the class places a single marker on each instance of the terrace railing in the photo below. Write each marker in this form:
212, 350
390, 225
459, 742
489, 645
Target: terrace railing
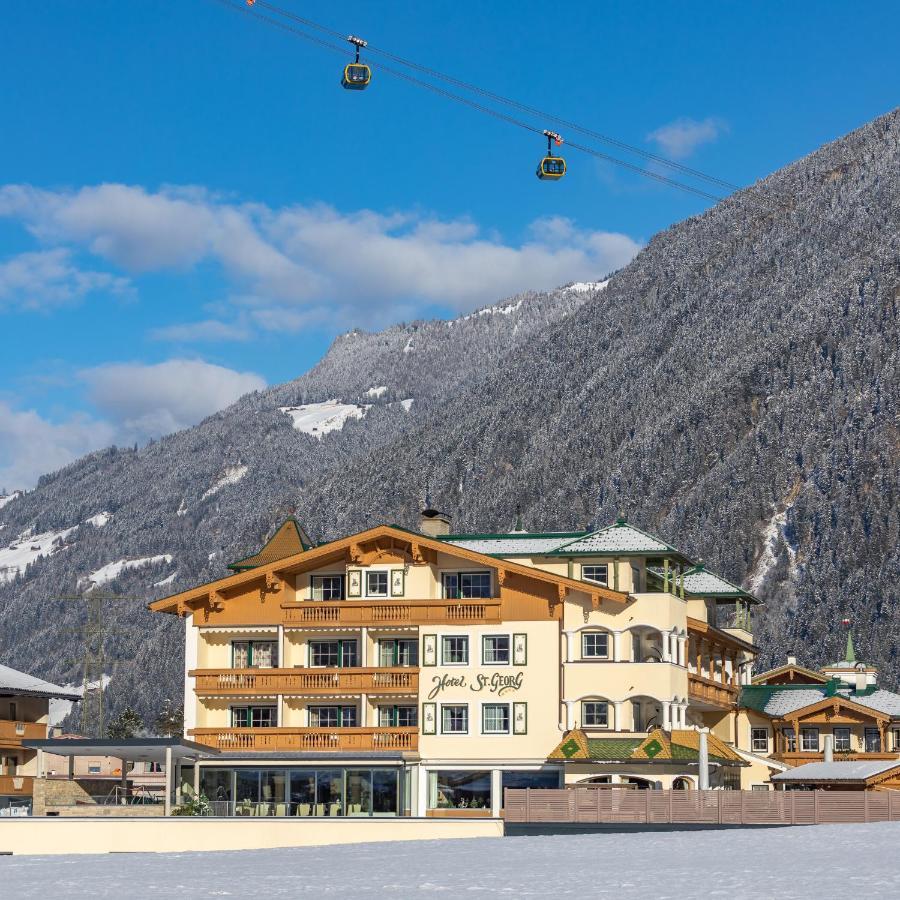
247, 682
275, 739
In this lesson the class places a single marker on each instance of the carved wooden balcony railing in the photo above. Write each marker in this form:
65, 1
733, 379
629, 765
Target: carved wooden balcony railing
276, 739
248, 682
709, 691
390, 612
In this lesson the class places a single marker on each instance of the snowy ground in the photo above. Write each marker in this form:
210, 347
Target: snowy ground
793, 863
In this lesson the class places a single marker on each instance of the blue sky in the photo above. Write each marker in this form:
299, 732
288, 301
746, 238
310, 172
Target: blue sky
188, 196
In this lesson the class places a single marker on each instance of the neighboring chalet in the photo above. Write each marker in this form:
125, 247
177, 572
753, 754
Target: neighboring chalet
24, 716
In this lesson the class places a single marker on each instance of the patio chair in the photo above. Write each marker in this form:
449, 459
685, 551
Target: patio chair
303, 809
320, 809
262, 809
281, 809
334, 809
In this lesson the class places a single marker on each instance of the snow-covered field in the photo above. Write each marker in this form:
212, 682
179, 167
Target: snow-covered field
746, 864
111, 571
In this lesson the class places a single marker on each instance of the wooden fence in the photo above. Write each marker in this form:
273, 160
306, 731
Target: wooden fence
640, 807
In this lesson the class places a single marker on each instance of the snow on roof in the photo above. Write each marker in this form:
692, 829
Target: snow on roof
703, 583
510, 544
786, 701
16, 682
618, 538
843, 770
880, 700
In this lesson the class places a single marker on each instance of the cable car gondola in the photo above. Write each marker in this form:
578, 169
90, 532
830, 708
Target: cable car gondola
551, 168
357, 75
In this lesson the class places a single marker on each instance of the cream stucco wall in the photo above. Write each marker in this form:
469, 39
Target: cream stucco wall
536, 684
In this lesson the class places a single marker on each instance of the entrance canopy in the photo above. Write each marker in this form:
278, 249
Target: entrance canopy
157, 750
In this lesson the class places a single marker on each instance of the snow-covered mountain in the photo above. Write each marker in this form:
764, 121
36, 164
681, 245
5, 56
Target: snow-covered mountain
734, 389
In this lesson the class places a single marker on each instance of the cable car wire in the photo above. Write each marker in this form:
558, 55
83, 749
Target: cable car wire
522, 107
473, 104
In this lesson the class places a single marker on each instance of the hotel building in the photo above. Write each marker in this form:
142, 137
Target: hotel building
398, 672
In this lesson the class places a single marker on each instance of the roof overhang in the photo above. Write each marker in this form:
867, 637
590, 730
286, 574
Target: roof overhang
149, 749
180, 603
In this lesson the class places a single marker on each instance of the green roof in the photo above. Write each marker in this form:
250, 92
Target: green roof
612, 748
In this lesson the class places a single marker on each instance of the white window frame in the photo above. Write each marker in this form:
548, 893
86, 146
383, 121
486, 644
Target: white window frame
507, 707
386, 573
464, 706
312, 585
849, 733
806, 731
484, 659
462, 637
592, 633
753, 739
584, 703
604, 566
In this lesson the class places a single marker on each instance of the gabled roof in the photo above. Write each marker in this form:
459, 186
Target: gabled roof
14, 682
795, 674
616, 539
288, 540
780, 700
678, 745
316, 556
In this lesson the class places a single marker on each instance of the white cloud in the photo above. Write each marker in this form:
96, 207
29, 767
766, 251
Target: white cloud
47, 278
303, 264
679, 139
135, 402
152, 400
206, 330
31, 445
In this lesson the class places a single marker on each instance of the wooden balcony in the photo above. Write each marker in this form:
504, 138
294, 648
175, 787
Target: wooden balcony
13, 733
250, 682
16, 785
276, 739
314, 613
705, 690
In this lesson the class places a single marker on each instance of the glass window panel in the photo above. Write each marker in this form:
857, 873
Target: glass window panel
842, 740
759, 740
328, 587
455, 649
809, 740
246, 785
495, 718
385, 792
450, 580
216, 784
273, 786
594, 714
303, 789
873, 740
600, 574
263, 654
329, 792
790, 739
474, 584
495, 649
262, 716
461, 790
377, 584
407, 716
530, 780
595, 645
240, 654
359, 792
240, 717
455, 719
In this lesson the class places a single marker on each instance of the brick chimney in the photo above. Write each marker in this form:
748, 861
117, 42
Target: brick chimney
432, 522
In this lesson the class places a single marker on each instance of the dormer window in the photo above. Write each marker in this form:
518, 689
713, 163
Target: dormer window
376, 584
